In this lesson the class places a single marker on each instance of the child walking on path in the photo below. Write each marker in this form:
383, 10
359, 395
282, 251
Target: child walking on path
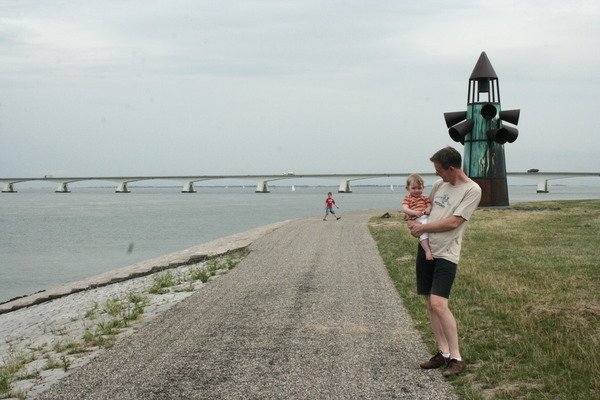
416, 206
329, 203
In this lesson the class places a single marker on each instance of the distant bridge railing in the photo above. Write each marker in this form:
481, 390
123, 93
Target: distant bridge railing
188, 181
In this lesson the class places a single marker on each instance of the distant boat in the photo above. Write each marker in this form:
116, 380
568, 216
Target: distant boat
293, 188
392, 187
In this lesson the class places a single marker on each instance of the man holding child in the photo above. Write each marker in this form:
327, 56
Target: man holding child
454, 198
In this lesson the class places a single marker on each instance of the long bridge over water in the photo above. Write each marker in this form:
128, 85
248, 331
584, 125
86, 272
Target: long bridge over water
188, 181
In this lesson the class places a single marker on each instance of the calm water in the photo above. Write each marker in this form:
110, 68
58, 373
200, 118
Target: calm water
47, 238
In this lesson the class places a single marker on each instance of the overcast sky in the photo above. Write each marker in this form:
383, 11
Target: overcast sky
120, 87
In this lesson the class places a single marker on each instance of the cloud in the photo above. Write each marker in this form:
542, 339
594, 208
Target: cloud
137, 87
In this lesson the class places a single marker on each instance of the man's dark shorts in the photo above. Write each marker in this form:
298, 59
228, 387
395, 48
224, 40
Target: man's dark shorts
434, 277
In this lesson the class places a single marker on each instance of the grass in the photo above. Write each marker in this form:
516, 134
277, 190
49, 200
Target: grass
69, 347
162, 282
121, 312
13, 364
526, 299
199, 274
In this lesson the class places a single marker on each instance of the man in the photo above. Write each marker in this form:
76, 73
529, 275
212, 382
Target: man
454, 198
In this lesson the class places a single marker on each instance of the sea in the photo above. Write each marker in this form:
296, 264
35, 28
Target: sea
48, 239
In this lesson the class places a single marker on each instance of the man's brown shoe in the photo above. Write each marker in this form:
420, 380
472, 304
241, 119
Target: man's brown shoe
454, 367
434, 362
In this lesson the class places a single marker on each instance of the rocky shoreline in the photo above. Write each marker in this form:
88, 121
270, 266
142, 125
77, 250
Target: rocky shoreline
47, 335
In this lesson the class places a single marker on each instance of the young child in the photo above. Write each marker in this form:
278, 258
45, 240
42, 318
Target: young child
416, 206
329, 203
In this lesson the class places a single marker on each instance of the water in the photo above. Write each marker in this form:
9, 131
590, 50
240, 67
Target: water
48, 239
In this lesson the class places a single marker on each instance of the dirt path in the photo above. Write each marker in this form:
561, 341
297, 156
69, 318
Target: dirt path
309, 314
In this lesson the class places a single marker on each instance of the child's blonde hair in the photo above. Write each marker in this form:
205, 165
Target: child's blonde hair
414, 178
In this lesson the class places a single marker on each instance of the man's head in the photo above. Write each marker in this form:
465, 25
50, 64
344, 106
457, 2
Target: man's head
447, 157
447, 163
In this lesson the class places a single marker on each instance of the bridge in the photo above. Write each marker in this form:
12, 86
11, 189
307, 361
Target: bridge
188, 181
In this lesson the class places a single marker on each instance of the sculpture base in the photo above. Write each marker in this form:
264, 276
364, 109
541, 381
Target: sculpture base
494, 192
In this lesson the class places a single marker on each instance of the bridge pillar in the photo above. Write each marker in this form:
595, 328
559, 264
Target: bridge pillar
9, 188
542, 186
188, 187
63, 187
344, 187
122, 188
261, 187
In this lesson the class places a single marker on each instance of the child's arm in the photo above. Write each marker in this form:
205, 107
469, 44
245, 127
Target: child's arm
428, 209
411, 213
427, 203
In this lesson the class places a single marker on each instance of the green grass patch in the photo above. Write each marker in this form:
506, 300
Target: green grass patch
210, 268
91, 313
213, 265
199, 274
52, 363
526, 298
8, 369
113, 306
69, 347
122, 311
97, 339
162, 282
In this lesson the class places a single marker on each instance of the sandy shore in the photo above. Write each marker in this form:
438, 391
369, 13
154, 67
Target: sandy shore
52, 333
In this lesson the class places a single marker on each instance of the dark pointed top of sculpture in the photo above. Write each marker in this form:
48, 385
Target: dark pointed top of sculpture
483, 68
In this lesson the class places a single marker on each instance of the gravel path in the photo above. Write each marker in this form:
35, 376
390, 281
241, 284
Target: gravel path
310, 313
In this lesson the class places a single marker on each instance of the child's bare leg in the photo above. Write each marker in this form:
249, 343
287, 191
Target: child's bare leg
425, 245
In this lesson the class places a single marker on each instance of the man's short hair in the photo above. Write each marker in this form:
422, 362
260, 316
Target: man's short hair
447, 157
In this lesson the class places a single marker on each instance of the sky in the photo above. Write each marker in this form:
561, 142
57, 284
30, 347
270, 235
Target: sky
128, 87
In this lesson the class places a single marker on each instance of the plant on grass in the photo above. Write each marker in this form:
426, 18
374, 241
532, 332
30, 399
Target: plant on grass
97, 339
212, 266
123, 311
199, 274
70, 347
113, 306
39, 347
162, 281
66, 363
133, 307
13, 364
231, 263
137, 299
51, 363
59, 331
91, 313
111, 327
226, 262
17, 395
187, 288
26, 376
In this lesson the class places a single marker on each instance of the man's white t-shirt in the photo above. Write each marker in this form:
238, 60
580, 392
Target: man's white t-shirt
447, 200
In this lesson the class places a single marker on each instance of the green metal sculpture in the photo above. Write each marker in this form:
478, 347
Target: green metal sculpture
482, 131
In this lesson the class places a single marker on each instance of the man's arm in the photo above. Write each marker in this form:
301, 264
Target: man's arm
442, 225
